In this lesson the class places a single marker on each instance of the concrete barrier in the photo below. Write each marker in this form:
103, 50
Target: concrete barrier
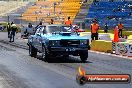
127, 33
130, 37
102, 36
111, 36
104, 44
101, 45
129, 40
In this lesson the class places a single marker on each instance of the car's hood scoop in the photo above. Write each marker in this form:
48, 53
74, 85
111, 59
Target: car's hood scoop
65, 33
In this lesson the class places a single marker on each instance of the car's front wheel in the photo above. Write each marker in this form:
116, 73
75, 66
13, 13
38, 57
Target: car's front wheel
32, 51
84, 56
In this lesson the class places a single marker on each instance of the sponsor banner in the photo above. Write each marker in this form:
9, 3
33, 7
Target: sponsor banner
130, 50
107, 78
83, 78
124, 49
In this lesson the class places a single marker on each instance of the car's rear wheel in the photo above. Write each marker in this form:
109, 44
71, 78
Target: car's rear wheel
84, 56
44, 53
32, 51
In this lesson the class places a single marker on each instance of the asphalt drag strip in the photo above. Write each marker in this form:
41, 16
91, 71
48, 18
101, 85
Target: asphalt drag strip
61, 73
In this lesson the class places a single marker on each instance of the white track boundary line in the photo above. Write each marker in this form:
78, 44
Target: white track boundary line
120, 56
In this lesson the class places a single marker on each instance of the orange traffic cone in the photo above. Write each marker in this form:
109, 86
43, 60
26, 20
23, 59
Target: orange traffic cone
116, 37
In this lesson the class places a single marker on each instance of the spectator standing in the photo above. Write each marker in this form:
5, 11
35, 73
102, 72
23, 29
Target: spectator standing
120, 27
39, 24
68, 22
119, 8
30, 29
106, 28
30, 25
8, 29
13, 31
52, 21
94, 30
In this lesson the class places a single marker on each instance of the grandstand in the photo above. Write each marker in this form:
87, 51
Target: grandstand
109, 12
104, 11
7, 7
58, 10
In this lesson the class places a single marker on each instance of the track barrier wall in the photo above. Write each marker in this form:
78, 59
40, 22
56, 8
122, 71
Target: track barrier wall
101, 45
124, 47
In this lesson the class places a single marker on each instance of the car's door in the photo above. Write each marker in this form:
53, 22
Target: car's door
40, 38
35, 39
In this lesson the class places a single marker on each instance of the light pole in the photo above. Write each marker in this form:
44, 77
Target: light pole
54, 7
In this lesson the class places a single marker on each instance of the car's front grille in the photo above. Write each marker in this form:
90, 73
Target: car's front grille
67, 43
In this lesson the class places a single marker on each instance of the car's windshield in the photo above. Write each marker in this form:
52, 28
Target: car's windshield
57, 29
